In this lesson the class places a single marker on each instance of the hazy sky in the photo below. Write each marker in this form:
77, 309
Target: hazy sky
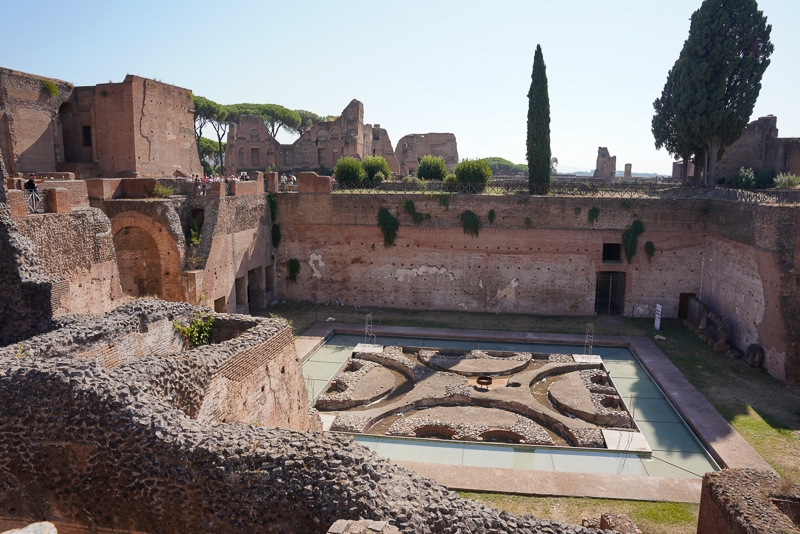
418, 66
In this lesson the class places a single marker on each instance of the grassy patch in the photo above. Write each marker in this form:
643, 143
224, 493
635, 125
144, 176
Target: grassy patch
650, 517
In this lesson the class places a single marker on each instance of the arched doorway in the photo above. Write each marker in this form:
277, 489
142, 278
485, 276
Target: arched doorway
139, 263
76, 136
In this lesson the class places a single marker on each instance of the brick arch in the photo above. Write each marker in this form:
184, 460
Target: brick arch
168, 253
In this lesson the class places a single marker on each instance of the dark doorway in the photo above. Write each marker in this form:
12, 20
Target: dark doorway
683, 305
610, 295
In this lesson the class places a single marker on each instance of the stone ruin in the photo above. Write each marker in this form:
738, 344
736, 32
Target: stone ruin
441, 398
606, 166
110, 423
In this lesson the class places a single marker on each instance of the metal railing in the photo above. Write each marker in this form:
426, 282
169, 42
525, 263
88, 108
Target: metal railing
36, 201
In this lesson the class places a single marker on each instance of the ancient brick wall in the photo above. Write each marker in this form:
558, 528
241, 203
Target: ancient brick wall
739, 258
748, 151
411, 148
382, 146
78, 248
30, 140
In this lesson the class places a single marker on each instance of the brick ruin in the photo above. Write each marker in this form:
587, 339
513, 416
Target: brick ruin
138, 127
411, 148
251, 147
220, 438
606, 166
759, 148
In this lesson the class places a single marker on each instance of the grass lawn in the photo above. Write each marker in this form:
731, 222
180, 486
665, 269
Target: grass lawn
763, 410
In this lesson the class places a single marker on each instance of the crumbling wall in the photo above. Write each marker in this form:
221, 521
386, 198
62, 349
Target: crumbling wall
143, 465
411, 148
744, 501
748, 151
606, 166
738, 257
76, 247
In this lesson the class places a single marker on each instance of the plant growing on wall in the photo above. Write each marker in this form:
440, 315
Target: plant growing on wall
649, 250
577, 212
197, 332
491, 216
194, 231
470, 223
704, 209
276, 235
528, 222
272, 200
389, 225
160, 191
411, 209
625, 205
630, 239
49, 88
292, 269
594, 213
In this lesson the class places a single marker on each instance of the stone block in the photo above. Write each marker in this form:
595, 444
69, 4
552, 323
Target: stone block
754, 355
16, 203
271, 181
716, 329
697, 313
58, 200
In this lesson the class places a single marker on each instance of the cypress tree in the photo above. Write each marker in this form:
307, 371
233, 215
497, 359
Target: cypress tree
717, 79
538, 128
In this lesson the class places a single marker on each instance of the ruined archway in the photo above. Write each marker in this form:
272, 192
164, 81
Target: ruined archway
139, 263
147, 257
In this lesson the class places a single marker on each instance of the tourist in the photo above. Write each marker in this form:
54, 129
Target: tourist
30, 185
197, 186
175, 174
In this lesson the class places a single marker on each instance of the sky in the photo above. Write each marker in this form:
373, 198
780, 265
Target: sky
418, 66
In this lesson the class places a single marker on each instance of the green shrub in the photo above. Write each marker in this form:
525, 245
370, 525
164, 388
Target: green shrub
194, 231
625, 205
272, 200
420, 184
271, 167
432, 168
322, 170
649, 250
409, 207
276, 235
376, 168
349, 171
786, 180
528, 222
292, 270
450, 179
743, 179
49, 88
594, 213
630, 239
470, 223
474, 172
765, 178
197, 332
389, 224
159, 191
491, 216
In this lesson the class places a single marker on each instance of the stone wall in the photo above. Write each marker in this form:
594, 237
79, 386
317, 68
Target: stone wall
739, 258
131, 438
606, 166
744, 501
76, 247
411, 148
759, 147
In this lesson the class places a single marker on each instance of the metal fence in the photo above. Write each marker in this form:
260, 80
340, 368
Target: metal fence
662, 189
36, 201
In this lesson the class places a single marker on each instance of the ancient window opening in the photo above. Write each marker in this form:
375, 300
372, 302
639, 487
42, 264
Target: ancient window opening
335, 134
255, 137
612, 253
376, 135
335, 154
254, 157
241, 156
271, 160
322, 135
320, 156
610, 293
87, 136
219, 305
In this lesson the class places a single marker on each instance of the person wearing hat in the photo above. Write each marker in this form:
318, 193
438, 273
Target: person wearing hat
30, 185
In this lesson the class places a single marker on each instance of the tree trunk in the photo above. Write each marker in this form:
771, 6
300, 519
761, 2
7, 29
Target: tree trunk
713, 151
685, 172
697, 159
